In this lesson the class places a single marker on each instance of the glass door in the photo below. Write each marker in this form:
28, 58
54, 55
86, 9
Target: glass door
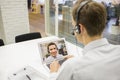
65, 20
50, 10
58, 19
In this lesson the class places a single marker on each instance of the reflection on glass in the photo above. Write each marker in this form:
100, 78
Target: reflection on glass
65, 20
52, 17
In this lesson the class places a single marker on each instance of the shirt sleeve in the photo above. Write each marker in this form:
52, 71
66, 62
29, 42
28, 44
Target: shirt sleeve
66, 70
53, 76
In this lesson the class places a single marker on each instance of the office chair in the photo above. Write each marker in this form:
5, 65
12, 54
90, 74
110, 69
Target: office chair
1, 42
27, 36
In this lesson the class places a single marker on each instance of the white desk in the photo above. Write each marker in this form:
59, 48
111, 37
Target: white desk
18, 55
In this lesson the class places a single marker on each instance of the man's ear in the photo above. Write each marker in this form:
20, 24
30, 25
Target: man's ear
82, 28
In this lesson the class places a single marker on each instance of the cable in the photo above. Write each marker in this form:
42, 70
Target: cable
28, 77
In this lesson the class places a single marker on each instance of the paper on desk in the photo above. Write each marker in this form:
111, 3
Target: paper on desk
27, 73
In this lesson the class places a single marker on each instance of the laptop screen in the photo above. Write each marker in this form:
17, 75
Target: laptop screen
53, 50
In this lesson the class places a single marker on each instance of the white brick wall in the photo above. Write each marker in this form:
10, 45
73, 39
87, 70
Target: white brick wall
0, 23
14, 18
1, 27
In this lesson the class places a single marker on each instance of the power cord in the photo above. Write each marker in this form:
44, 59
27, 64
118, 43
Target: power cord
28, 77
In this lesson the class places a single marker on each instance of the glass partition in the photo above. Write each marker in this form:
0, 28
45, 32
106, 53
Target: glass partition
59, 19
65, 21
50, 17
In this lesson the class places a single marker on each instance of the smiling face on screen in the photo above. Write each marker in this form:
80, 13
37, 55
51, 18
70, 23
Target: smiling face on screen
53, 50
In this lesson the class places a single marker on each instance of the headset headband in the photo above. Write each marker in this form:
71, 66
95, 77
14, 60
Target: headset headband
82, 4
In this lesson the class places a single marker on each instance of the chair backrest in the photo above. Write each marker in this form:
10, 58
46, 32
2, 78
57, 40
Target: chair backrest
27, 36
1, 42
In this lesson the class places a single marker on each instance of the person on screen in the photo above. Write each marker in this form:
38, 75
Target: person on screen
54, 55
100, 60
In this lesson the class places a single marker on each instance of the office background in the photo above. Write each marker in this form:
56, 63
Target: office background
52, 17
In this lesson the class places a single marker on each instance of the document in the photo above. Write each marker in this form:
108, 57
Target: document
28, 73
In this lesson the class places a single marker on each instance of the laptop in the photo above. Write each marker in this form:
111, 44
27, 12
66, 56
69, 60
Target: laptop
54, 50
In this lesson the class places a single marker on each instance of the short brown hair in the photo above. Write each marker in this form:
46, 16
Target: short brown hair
92, 16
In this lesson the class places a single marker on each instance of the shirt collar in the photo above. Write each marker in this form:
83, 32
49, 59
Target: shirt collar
95, 44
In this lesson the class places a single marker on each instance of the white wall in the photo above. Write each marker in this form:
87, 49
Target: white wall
14, 19
1, 27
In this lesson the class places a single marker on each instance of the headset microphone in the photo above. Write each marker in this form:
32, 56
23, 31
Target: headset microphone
76, 29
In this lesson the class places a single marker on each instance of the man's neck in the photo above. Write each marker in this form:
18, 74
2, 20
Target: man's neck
90, 39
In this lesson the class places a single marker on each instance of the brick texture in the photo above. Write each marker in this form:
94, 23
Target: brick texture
13, 19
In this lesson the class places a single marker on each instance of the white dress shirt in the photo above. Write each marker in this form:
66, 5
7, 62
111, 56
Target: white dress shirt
100, 61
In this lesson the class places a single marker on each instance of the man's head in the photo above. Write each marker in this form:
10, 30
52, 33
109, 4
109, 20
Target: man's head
52, 49
90, 17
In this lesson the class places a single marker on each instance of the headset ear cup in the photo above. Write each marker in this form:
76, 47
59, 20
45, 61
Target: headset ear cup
78, 31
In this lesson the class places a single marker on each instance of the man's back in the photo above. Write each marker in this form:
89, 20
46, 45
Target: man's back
101, 61
105, 69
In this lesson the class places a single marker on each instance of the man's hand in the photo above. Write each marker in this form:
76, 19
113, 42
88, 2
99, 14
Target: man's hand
54, 66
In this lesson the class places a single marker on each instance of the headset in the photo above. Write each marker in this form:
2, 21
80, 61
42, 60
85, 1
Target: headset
76, 29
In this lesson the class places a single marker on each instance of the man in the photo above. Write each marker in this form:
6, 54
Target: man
54, 55
101, 60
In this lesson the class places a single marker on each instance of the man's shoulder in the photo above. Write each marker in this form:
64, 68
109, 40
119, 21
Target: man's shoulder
70, 66
78, 63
